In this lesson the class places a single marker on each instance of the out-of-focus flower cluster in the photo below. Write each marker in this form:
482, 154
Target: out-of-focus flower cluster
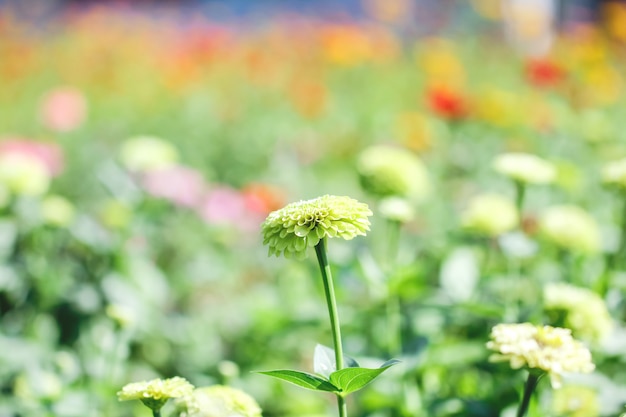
585, 312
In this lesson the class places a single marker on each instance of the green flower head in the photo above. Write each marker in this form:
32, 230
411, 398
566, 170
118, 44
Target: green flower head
155, 393
298, 226
525, 168
576, 401
391, 171
585, 311
614, 174
570, 227
217, 401
490, 214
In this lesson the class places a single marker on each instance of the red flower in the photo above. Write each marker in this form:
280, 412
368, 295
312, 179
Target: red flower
447, 102
544, 72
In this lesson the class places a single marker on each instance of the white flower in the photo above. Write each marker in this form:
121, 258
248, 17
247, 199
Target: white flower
549, 349
147, 153
570, 227
490, 214
525, 168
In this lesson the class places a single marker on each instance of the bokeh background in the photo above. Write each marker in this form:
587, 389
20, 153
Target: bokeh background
142, 143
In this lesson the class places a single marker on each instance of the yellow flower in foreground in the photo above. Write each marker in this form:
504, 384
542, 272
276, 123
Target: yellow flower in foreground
298, 226
585, 312
549, 349
217, 401
147, 153
155, 393
570, 227
490, 214
525, 168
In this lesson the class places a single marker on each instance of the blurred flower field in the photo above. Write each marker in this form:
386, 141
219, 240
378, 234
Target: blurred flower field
140, 156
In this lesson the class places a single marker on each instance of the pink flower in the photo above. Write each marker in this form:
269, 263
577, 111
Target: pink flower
63, 109
226, 206
48, 154
181, 185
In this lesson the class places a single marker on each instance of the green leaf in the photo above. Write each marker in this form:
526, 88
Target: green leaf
324, 361
302, 379
350, 380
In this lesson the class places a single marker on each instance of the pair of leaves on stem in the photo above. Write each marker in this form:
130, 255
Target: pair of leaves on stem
326, 378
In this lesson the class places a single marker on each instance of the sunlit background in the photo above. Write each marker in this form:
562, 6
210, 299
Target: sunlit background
142, 144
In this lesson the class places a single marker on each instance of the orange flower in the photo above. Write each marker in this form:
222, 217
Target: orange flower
447, 103
263, 198
544, 72
308, 96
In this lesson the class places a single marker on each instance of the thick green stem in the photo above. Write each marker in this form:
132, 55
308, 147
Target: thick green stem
329, 291
156, 413
529, 388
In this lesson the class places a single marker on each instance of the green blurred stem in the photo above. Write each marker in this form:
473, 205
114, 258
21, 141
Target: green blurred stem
612, 259
520, 195
394, 318
529, 388
156, 413
622, 237
329, 291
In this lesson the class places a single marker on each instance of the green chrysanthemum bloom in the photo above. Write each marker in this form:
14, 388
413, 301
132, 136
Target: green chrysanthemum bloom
570, 227
217, 401
147, 153
490, 214
550, 349
390, 171
585, 311
298, 226
526, 168
155, 393
575, 401
614, 174
397, 209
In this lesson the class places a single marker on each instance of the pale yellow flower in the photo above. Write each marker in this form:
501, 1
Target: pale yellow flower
586, 313
396, 208
392, 171
545, 348
24, 175
570, 227
57, 211
575, 401
147, 153
490, 214
218, 401
155, 393
614, 173
525, 168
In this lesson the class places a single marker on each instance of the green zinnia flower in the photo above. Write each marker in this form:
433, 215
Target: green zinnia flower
298, 226
391, 171
218, 401
155, 393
